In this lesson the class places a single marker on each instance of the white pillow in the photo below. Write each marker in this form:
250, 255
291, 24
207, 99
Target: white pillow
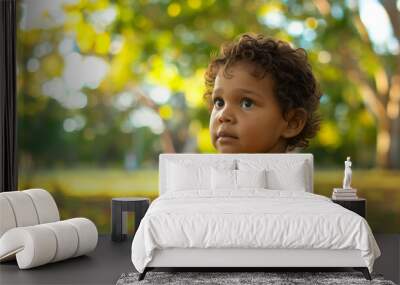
223, 179
281, 175
292, 178
183, 178
226, 179
251, 178
276, 183
187, 175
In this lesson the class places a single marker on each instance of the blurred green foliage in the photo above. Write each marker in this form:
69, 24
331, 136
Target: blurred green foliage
105, 86
127, 77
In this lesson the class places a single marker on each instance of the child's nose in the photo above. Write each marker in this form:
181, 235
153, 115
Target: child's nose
225, 115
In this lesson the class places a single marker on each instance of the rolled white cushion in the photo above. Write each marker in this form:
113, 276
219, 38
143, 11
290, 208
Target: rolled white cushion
7, 218
33, 245
26, 208
87, 234
40, 244
66, 237
45, 205
23, 208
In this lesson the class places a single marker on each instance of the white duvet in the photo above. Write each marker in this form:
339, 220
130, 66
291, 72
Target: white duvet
252, 218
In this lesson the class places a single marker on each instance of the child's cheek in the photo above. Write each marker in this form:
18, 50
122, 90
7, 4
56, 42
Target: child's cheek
212, 120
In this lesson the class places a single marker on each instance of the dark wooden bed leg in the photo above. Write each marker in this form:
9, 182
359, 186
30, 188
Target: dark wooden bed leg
143, 274
364, 271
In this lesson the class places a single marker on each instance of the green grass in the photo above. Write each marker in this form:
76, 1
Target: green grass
88, 192
96, 182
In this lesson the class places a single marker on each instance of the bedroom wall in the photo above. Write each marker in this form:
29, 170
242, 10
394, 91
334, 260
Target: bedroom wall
104, 87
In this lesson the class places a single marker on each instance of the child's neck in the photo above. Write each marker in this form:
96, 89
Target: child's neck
279, 147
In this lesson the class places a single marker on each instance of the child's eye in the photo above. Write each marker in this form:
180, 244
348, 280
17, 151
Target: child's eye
247, 103
218, 102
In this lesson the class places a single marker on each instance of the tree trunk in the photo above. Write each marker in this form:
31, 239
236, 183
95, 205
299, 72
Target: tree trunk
383, 144
394, 94
394, 150
388, 144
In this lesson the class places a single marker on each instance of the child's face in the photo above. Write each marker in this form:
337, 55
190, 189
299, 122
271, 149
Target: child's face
246, 117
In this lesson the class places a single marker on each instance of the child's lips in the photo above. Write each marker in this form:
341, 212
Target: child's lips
224, 137
223, 140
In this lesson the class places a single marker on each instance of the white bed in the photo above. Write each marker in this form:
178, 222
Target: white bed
248, 226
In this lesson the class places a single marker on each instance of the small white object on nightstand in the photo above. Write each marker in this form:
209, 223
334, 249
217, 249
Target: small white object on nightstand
347, 192
347, 174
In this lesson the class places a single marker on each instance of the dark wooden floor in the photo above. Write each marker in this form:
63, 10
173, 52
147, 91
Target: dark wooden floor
102, 266
110, 260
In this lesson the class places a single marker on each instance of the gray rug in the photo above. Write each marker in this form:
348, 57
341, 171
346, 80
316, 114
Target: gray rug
230, 278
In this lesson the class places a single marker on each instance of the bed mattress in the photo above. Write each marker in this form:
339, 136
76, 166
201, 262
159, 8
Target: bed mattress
251, 219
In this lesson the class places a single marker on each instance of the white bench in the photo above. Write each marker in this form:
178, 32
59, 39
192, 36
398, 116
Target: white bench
31, 231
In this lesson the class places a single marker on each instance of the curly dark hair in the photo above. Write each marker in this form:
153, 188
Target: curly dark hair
294, 83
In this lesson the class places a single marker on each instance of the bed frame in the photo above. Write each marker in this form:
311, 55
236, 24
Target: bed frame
237, 258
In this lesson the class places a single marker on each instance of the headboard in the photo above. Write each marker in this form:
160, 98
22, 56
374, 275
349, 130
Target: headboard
164, 158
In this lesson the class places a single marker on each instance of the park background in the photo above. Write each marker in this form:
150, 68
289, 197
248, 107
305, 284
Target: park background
105, 86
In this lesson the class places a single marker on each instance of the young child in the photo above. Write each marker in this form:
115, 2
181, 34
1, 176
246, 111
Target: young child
262, 96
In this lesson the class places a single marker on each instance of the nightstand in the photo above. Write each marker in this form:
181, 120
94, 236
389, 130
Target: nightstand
119, 209
358, 205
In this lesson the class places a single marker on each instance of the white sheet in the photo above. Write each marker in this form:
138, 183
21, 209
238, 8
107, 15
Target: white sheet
252, 218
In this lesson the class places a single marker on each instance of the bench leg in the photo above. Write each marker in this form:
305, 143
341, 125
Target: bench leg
364, 271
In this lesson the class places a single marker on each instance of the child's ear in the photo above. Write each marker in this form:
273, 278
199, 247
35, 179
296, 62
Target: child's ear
296, 119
